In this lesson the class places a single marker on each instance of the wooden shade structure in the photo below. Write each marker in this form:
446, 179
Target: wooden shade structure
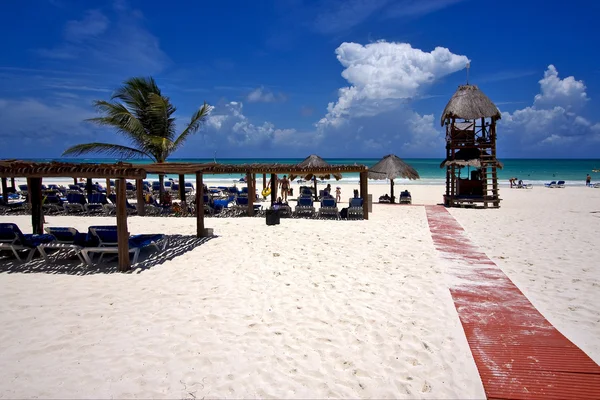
470, 119
392, 167
35, 172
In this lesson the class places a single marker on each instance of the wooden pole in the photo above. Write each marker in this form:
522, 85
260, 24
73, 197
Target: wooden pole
4, 190
122, 234
139, 192
12, 183
273, 189
34, 187
364, 193
316, 190
74, 181
108, 191
199, 205
250, 194
182, 188
264, 181
88, 187
392, 190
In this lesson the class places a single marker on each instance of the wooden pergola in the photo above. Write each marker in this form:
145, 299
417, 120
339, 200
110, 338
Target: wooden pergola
34, 172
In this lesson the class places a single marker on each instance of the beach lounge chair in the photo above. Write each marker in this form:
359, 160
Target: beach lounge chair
305, 206
66, 239
355, 210
550, 184
11, 238
103, 240
189, 188
328, 208
560, 184
52, 203
12, 206
96, 202
75, 203
111, 208
405, 197
241, 205
23, 190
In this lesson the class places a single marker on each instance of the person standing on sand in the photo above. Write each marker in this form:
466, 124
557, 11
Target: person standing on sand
588, 180
285, 186
338, 194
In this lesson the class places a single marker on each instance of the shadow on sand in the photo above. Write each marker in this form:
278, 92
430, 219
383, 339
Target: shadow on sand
62, 263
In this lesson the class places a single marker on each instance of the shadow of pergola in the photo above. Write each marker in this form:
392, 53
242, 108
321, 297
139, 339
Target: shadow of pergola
177, 245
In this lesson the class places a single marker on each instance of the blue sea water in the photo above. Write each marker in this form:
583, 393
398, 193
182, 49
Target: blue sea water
536, 171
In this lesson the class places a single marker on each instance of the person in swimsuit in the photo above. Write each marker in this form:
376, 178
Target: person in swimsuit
284, 183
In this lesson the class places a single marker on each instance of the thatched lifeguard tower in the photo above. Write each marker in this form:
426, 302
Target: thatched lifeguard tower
470, 119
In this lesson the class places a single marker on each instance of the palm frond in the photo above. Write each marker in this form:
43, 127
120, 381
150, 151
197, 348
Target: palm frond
159, 147
160, 114
105, 148
197, 119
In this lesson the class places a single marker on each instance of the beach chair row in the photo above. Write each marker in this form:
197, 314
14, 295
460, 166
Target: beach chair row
99, 240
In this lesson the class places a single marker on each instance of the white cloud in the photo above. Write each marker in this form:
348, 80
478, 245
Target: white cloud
229, 124
567, 93
383, 75
93, 24
262, 95
552, 123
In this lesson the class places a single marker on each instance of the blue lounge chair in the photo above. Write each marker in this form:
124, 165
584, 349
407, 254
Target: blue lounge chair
69, 239
305, 206
560, 184
11, 238
189, 187
104, 240
241, 205
551, 184
75, 202
328, 208
111, 209
96, 202
355, 210
52, 203
405, 197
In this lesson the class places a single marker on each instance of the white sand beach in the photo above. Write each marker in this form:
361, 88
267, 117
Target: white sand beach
304, 309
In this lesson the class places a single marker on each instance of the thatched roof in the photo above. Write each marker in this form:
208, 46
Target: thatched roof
391, 167
468, 102
314, 161
468, 157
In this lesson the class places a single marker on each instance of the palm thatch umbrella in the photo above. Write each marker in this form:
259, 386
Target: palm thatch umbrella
470, 103
392, 167
314, 161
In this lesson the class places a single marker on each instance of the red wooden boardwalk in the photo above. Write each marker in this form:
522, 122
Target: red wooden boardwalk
518, 353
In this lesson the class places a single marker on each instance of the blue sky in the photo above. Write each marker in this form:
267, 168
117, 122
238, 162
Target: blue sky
287, 78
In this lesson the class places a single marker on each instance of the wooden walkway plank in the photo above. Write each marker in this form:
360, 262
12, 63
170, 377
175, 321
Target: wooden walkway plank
518, 353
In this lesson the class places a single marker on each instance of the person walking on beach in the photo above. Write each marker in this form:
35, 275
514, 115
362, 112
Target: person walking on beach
338, 194
588, 180
285, 186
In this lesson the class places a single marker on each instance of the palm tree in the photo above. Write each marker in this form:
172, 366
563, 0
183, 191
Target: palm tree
140, 112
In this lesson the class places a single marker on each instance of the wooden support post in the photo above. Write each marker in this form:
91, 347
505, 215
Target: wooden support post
4, 190
273, 189
199, 205
364, 193
182, 188
254, 182
122, 233
74, 181
88, 187
316, 190
141, 202
251, 196
108, 191
392, 190
264, 181
13, 184
34, 188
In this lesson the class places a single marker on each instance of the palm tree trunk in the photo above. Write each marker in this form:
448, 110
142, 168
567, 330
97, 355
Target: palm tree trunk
161, 190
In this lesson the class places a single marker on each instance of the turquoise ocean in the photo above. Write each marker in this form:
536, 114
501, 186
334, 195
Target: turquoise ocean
535, 171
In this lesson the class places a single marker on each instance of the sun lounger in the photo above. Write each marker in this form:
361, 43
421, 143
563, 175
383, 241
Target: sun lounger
328, 208
355, 210
305, 206
96, 202
560, 184
75, 202
405, 197
69, 239
104, 240
550, 184
11, 238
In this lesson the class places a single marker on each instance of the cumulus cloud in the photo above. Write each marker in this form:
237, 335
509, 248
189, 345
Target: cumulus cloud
382, 75
229, 124
262, 95
552, 123
567, 93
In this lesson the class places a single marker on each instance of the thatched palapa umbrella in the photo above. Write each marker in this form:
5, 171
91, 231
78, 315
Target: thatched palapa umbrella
314, 161
392, 167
